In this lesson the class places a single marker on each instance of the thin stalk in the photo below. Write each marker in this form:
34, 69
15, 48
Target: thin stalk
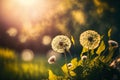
57, 65
66, 64
70, 54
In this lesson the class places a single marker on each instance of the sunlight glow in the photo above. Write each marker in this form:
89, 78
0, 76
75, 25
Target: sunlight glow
30, 32
79, 16
23, 10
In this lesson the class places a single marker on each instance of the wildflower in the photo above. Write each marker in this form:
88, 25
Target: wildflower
113, 43
61, 43
52, 59
90, 39
83, 57
69, 65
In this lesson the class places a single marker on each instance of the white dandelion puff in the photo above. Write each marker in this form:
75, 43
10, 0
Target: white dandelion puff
61, 43
90, 39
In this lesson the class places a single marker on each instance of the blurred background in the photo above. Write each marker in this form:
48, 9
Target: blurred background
28, 26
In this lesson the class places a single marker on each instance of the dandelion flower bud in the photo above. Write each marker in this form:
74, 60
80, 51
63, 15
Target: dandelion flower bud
69, 65
52, 59
83, 57
113, 43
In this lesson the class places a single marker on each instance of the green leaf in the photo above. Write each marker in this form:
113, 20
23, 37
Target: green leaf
109, 32
80, 62
72, 73
64, 68
109, 56
73, 40
92, 51
74, 63
83, 51
101, 48
52, 75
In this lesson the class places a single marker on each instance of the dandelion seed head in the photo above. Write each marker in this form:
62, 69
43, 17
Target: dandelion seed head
61, 43
90, 39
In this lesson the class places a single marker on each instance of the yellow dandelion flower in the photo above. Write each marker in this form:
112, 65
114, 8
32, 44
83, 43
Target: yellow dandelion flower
61, 43
90, 39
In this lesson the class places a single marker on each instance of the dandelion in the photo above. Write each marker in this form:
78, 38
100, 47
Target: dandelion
83, 57
113, 64
61, 43
52, 59
113, 43
90, 39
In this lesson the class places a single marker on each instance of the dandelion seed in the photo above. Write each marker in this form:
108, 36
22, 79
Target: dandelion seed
61, 43
83, 57
52, 59
90, 39
113, 43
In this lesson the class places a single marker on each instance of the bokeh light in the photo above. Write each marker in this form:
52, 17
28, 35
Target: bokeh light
27, 55
79, 16
12, 32
32, 10
46, 40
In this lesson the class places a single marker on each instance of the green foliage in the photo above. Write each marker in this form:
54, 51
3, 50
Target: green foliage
109, 32
101, 48
95, 66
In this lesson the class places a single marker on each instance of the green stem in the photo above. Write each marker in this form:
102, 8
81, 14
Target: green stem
66, 64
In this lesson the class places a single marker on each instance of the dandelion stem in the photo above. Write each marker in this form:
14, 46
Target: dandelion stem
105, 51
66, 64
70, 54
57, 65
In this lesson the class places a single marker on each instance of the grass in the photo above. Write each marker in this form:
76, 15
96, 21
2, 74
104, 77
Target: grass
14, 68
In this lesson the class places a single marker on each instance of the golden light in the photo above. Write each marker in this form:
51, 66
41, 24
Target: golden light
30, 31
30, 15
27, 55
79, 16
26, 10
23, 38
12, 32
46, 40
